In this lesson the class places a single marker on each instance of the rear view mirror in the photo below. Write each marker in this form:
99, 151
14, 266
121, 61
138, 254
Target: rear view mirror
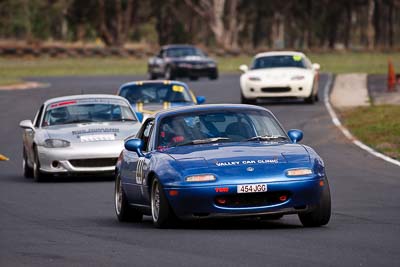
135, 145
244, 68
200, 100
316, 66
295, 135
139, 116
26, 124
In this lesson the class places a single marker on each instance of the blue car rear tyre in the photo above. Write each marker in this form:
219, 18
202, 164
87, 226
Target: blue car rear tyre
124, 211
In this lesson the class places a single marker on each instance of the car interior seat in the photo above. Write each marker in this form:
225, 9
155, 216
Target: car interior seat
238, 130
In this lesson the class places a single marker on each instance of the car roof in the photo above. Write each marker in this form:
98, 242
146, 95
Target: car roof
85, 96
178, 46
166, 82
208, 107
280, 53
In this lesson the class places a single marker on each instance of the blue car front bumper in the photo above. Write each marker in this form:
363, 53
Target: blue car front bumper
286, 197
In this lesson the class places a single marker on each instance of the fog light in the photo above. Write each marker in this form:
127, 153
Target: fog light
251, 90
55, 164
283, 198
173, 193
221, 201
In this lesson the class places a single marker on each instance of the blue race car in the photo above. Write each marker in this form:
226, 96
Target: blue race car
148, 97
219, 160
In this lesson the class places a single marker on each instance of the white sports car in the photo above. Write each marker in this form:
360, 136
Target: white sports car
81, 134
279, 74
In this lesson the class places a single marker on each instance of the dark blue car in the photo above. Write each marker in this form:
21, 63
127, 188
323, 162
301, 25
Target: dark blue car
219, 160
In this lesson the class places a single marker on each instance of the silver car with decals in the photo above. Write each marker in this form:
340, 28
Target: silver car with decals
81, 134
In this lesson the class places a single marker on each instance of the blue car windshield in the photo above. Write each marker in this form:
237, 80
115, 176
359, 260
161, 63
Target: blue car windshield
286, 61
219, 126
155, 93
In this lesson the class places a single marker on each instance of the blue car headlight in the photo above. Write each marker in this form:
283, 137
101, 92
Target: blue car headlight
299, 172
56, 143
200, 178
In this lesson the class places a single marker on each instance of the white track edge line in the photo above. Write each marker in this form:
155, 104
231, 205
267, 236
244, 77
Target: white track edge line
345, 131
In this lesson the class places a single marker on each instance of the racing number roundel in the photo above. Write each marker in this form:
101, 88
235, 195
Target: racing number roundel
139, 171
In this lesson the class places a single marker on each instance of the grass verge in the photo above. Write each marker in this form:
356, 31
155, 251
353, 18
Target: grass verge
376, 126
14, 69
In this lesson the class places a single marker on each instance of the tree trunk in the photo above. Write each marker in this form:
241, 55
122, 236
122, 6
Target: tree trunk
257, 28
309, 24
278, 31
114, 26
348, 28
370, 25
213, 11
390, 24
217, 23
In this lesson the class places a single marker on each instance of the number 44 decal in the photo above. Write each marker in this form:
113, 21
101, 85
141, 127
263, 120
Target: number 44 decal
139, 171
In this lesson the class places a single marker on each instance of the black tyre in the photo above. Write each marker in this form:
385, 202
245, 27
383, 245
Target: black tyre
28, 171
161, 212
213, 76
152, 76
38, 176
245, 100
125, 212
310, 99
322, 213
169, 73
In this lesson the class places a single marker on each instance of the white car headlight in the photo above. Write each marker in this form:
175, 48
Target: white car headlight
297, 78
254, 78
54, 143
299, 172
200, 178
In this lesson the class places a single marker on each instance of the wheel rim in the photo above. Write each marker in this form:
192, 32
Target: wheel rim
155, 201
23, 163
35, 169
118, 195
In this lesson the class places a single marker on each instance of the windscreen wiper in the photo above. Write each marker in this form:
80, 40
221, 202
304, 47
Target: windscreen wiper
126, 119
205, 141
267, 138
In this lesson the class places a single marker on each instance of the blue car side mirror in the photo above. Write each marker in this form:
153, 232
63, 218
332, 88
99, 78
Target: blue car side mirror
135, 145
139, 115
295, 135
200, 100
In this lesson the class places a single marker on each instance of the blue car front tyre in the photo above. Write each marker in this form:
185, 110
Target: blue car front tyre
322, 212
161, 212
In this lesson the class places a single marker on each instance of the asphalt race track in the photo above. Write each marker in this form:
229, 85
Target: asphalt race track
72, 222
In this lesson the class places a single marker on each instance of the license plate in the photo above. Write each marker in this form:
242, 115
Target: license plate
251, 188
97, 137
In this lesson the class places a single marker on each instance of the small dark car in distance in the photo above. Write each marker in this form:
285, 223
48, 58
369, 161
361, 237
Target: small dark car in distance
175, 61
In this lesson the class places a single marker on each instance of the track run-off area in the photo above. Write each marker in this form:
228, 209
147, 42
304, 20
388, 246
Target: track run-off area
71, 221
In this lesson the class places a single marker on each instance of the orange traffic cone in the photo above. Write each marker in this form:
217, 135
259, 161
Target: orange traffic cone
391, 82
